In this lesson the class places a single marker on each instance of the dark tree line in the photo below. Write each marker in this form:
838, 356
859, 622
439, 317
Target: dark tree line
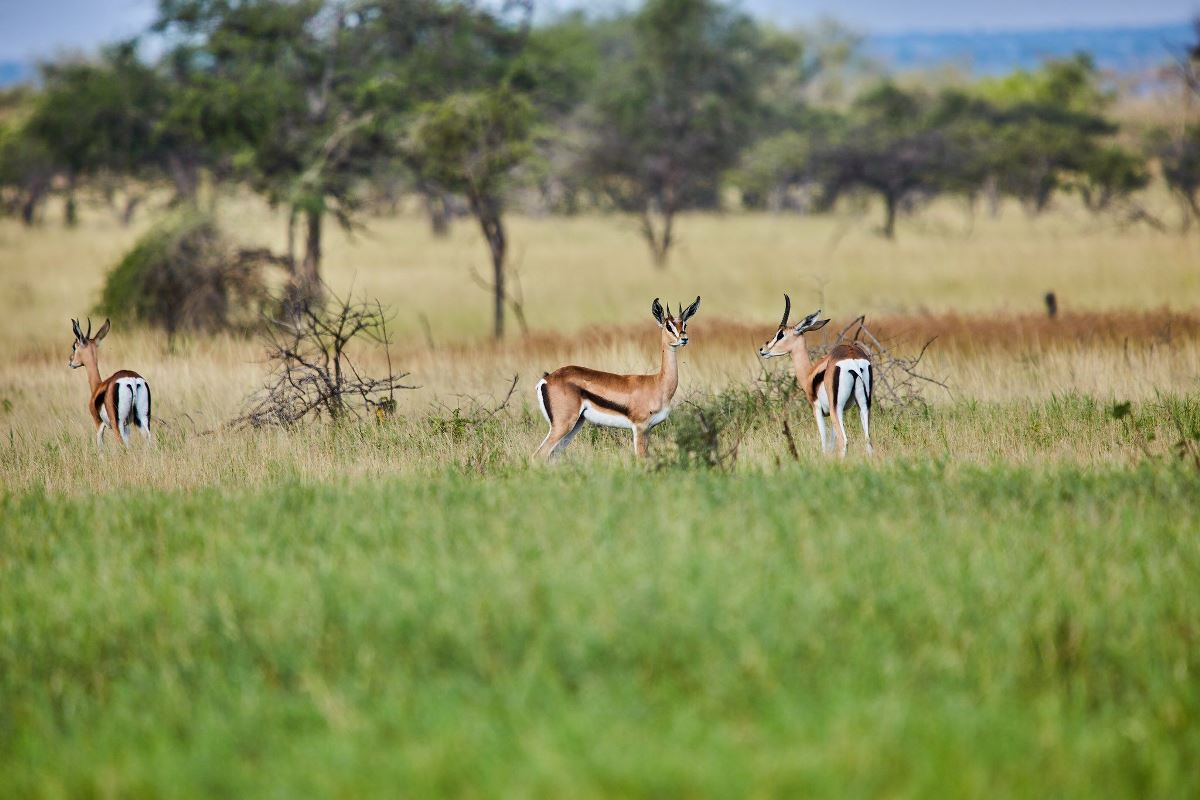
323, 107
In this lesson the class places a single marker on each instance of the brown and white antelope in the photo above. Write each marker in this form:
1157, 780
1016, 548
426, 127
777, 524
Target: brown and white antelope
569, 396
115, 401
831, 383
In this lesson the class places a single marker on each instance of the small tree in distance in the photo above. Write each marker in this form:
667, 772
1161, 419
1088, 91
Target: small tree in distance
470, 143
674, 116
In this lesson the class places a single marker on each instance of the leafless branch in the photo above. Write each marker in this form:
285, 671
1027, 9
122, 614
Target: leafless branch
312, 371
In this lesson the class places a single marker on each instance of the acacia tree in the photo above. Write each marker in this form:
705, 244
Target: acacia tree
1179, 159
305, 98
276, 87
899, 145
26, 166
672, 116
99, 118
470, 143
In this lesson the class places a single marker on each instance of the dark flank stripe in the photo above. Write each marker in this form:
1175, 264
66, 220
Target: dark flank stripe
837, 377
546, 402
816, 384
597, 400
147, 405
870, 386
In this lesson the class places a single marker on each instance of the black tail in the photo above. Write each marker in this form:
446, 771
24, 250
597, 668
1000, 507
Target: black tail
144, 423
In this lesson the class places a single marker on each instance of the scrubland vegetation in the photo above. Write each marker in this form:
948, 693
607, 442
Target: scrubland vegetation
1001, 602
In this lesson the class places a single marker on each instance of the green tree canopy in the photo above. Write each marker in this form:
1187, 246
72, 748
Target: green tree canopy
471, 143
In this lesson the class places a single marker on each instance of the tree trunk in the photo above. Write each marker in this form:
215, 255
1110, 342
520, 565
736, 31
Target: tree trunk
991, 190
439, 212
131, 204
487, 211
291, 238
890, 201
308, 278
183, 175
70, 209
660, 241
1194, 207
33, 196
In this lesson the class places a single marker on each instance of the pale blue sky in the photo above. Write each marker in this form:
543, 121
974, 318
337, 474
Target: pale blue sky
33, 28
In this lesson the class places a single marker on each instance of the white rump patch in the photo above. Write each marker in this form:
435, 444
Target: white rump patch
537, 390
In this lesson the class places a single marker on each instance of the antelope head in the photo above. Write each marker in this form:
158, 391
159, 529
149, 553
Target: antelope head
787, 339
83, 349
674, 327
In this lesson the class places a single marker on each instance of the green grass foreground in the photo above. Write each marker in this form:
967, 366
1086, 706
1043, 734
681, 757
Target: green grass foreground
883, 629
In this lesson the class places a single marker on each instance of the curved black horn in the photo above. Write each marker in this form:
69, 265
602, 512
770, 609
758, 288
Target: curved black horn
89, 333
787, 310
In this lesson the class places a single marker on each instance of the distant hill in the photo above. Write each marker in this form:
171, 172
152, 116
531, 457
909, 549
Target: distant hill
1119, 49
1124, 50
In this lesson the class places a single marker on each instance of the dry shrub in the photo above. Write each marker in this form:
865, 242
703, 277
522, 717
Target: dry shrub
185, 275
313, 374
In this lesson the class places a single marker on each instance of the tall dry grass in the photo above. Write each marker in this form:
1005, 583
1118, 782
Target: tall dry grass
1128, 332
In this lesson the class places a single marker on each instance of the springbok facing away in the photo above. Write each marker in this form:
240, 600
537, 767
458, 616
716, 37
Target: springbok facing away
122, 395
843, 374
570, 395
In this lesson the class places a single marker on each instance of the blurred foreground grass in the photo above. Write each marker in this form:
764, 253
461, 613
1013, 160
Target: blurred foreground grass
908, 629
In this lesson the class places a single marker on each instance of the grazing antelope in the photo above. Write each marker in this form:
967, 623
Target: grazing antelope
570, 395
844, 374
124, 395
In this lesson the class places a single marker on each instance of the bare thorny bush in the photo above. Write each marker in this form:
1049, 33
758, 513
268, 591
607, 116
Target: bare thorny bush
709, 431
313, 373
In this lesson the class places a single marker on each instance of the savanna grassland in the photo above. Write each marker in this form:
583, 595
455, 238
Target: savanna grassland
1002, 602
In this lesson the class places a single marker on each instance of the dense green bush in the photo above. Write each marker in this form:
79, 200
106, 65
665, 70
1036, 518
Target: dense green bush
184, 274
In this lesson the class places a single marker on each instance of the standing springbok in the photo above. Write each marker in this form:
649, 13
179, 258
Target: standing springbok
122, 395
843, 374
570, 395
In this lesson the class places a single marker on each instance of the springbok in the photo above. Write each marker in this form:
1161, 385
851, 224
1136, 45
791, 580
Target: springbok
123, 395
570, 395
843, 374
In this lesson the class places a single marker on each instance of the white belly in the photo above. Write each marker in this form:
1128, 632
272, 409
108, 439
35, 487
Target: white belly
608, 419
658, 417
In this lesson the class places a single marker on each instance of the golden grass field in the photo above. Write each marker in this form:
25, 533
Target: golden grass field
1001, 603
1129, 330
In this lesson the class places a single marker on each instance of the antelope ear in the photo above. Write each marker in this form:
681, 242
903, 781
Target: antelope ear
657, 310
816, 326
75, 329
691, 310
100, 334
